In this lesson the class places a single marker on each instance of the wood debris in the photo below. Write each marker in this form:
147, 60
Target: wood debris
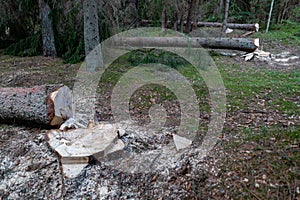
77, 147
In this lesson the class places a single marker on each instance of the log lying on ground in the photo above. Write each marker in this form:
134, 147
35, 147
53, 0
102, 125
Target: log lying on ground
46, 104
242, 44
248, 27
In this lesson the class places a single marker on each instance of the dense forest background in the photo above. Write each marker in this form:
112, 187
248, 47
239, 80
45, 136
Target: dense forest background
21, 30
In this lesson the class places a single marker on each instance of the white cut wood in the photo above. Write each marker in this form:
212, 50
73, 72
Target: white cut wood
181, 142
72, 170
114, 153
258, 53
228, 30
77, 147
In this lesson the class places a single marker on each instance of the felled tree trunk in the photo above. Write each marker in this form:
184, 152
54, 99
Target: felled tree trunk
46, 104
248, 27
242, 44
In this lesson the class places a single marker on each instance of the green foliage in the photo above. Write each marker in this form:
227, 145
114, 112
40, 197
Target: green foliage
287, 32
30, 46
68, 29
265, 84
68, 32
104, 27
156, 9
21, 16
295, 16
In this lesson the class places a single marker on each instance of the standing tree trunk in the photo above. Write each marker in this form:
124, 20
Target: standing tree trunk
175, 16
133, 13
221, 4
47, 30
91, 28
226, 16
91, 33
84, 97
270, 15
163, 19
196, 15
190, 16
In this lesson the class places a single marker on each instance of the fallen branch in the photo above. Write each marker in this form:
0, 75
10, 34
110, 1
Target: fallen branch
246, 34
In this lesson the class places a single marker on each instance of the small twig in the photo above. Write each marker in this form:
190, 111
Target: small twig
152, 163
46, 165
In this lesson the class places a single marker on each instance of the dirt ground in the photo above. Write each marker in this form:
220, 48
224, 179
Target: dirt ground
236, 168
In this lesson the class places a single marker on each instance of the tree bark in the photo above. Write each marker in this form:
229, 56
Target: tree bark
91, 28
196, 14
163, 19
133, 13
46, 104
224, 27
175, 19
190, 16
242, 44
247, 27
47, 30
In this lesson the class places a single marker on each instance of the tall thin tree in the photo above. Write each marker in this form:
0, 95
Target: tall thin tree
91, 33
196, 14
270, 15
190, 16
133, 13
164, 18
47, 30
226, 16
175, 16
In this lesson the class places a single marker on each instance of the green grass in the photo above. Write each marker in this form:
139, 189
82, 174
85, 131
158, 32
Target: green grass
288, 33
278, 89
141, 57
283, 135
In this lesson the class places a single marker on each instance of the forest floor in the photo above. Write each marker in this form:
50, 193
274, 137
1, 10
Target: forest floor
257, 155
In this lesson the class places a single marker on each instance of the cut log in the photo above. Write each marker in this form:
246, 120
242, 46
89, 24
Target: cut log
46, 104
247, 27
242, 44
